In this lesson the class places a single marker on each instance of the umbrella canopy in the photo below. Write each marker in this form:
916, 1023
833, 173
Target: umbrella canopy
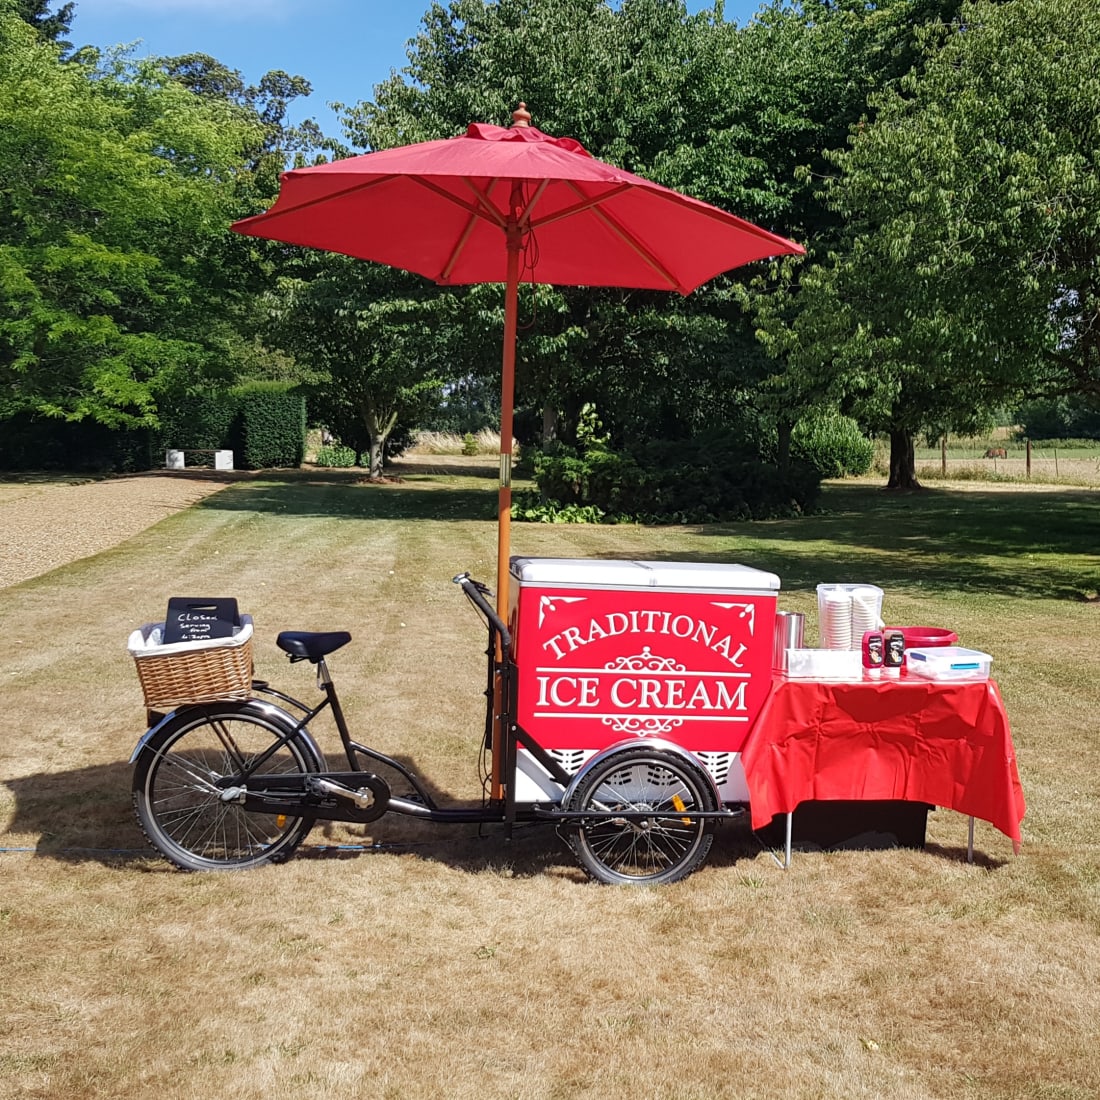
444, 209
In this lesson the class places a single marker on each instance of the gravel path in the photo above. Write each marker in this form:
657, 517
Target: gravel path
45, 524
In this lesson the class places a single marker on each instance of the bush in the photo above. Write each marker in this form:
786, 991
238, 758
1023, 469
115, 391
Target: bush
704, 480
469, 444
833, 445
336, 456
1060, 419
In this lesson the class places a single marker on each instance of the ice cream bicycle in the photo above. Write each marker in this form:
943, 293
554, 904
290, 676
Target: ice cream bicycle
621, 696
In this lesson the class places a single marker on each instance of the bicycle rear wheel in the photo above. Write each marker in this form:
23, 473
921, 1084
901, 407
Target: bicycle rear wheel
180, 807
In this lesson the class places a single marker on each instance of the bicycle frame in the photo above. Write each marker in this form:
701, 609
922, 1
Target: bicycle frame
357, 795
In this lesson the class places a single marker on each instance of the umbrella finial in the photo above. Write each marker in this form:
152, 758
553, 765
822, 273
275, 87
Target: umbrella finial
521, 116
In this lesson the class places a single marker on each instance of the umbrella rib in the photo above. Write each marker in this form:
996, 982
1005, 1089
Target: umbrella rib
484, 208
635, 246
460, 244
275, 212
528, 213
577, 208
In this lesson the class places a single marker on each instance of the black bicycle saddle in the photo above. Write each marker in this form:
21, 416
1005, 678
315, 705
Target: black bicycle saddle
305, 645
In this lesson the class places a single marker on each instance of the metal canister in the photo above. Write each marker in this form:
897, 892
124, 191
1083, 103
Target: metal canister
790, 632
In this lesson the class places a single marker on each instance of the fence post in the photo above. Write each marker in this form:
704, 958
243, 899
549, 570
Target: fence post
1028, 442
943, 454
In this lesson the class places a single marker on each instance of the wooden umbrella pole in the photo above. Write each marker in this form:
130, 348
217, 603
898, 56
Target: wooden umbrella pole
507, 400
504, 497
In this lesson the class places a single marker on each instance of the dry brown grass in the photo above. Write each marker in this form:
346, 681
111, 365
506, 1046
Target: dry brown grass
447, 964
486, 440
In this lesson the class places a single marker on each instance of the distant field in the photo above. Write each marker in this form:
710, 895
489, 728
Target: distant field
976, 459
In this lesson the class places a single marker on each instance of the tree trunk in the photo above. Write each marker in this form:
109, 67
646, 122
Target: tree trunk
378, 427
549, 424
783, 453
903, 469
377, 451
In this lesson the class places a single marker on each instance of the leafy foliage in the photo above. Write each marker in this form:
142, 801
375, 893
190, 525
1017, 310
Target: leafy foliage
118, 187
833, 445
336, 455
1061, 419
373, 338
968, 276
710, 478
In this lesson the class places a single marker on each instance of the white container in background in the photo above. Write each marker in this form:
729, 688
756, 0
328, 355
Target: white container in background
824, 664
948, 662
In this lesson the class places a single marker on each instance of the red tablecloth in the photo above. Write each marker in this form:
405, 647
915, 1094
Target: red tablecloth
944, 743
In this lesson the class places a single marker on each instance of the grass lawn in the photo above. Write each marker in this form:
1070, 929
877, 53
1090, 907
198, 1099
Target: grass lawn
418, 961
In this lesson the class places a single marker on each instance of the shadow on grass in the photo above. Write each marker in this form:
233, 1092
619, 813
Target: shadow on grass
1009, 544
329, 496
1030, 544
85, 816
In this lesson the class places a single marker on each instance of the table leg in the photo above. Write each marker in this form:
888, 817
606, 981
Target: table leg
787, 851
970, 843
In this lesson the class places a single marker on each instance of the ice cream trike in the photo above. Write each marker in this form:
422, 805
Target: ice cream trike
620, 695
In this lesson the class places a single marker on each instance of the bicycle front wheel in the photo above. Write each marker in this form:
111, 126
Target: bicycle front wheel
639, 850
182, 810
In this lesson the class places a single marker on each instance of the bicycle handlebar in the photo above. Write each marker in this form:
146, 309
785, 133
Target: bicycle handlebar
476, 593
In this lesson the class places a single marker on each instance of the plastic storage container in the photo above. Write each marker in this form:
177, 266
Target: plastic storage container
824, 664
948, 663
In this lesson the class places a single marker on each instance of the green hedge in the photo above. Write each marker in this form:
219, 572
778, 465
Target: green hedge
270, 429
264, 425
39, 443
201, 421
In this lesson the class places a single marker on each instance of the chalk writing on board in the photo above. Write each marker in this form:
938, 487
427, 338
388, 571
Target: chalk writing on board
200, 619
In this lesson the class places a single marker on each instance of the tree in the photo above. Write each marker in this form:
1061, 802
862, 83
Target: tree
51, 26
118, 186
975, 279
372, 335
616, 78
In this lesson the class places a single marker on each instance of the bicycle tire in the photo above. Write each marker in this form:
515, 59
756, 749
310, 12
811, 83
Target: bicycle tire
182, 813
647, 851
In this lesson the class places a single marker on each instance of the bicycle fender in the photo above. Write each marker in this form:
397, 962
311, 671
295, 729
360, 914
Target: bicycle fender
259, 707
656, 743
150, 733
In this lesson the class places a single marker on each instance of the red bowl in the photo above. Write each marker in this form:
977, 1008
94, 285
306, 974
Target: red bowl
920, 637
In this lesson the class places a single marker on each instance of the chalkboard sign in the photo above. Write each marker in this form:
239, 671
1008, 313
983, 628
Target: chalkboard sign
191, 619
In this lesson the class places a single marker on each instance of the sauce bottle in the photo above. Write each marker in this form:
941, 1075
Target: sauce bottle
874, 649
894, 652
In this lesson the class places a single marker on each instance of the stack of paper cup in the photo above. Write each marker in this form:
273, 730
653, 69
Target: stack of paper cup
846, 612
866, 612
835, 613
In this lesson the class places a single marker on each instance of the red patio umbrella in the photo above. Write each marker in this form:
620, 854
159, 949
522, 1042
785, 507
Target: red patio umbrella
466, 209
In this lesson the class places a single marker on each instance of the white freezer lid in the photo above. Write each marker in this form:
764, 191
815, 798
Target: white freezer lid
605, 573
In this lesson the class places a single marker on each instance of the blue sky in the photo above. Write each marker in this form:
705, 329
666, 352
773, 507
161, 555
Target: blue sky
343, 47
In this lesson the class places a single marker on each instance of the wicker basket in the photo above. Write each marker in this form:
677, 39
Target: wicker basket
192, 672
